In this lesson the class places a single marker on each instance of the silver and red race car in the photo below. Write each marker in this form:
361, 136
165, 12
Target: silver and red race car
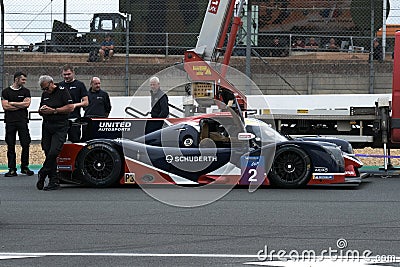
216, 148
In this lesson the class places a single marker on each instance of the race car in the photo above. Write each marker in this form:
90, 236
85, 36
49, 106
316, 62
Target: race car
216, 148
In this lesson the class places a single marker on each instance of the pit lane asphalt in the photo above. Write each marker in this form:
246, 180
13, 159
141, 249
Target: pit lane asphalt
104, 223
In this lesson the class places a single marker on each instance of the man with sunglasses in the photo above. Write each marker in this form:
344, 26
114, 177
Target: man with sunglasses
55, 106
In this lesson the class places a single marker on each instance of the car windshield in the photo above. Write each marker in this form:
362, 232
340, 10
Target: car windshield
263, 132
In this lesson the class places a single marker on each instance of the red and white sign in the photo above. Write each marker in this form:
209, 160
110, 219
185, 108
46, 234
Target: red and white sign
214, 7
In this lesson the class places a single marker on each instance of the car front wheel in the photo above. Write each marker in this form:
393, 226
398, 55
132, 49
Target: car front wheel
291, 168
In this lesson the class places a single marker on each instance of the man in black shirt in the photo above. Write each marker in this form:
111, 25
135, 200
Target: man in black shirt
15, 100
159, 100
99, 100
159, 105
278, 49
79, 95
55, 107
378, 50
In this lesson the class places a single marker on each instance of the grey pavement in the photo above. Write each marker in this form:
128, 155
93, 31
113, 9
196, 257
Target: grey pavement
79, 226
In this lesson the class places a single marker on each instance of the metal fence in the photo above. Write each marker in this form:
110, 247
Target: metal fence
168, 28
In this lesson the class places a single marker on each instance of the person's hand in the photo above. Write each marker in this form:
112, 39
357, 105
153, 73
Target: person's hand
47, 110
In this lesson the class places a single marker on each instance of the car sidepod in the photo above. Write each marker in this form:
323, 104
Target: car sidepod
172, 164
179, 135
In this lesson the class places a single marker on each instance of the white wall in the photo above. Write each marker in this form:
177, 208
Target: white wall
276, 104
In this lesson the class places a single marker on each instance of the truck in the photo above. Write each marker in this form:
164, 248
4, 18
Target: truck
64, 38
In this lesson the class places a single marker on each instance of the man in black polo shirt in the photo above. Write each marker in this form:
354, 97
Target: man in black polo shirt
159, 106
79, 95
15, 100
99, 105
99, 100
159, 100
55, 107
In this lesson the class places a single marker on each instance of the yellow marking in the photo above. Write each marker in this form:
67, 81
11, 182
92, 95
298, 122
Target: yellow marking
129, 178
202, 70
302, 111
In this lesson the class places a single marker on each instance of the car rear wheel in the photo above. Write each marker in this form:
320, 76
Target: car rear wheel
100, 164
291, 168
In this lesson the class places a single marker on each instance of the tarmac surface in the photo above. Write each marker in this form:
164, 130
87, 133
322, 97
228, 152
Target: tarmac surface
78, 226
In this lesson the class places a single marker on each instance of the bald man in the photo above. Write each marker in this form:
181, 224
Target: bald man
99, 100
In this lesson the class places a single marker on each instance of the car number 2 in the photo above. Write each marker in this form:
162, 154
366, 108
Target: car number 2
252, 169
253, 175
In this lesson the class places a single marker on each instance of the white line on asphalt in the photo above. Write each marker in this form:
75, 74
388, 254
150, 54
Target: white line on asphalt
10, 257
42, 254
277, 263
325, 263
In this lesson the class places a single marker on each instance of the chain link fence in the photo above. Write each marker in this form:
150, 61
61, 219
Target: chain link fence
328, 44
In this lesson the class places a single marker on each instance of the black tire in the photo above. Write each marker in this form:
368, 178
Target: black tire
100, 164
291, 168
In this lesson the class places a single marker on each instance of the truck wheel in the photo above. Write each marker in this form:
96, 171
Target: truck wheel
291, 168
100, 164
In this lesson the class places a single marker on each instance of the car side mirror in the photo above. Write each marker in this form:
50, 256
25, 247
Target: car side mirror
245, 136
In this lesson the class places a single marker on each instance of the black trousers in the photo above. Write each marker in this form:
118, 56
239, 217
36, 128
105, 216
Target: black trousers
24, 138
54, 134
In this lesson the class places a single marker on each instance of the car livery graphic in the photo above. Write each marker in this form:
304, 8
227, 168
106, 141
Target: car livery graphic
211, 148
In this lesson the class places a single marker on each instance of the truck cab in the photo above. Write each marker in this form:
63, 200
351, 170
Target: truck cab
113, 23
108, 22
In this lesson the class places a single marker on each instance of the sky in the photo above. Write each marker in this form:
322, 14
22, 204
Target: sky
37, 15
22, 14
